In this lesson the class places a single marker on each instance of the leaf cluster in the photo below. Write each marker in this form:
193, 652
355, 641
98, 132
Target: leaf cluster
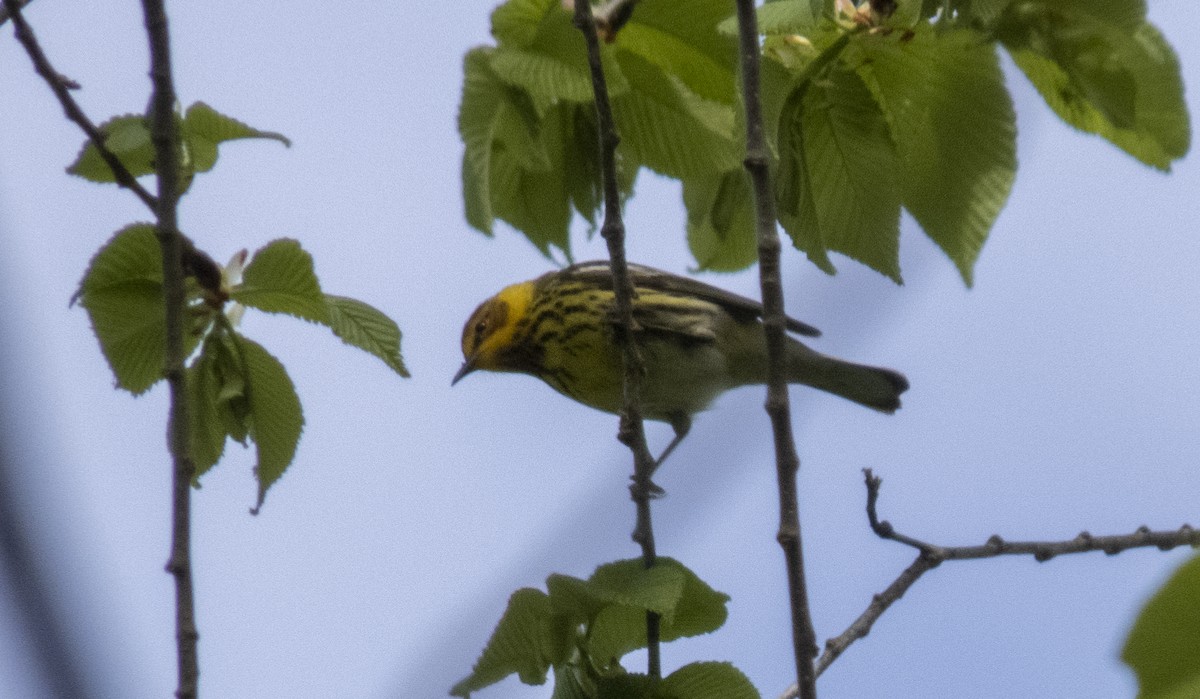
582, 628
867, 115
236, 389
201, 130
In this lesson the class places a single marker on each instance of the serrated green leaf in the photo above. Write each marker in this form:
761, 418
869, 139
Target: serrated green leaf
954, 128
543, 55
204, 128
501, 131
1161, 647
668, 128
366, 328
627, 686
798, 17
122, 292
280, 279
233, 407
204, 410
528, 640
571, 682
128, 138
275, 417
535, 202
687, 606
706, 680
700, 609
1106, 71
685, 44
629, 582
850, 175
572, 598
720, 221
616, 629
546, 78
516, 22
794, 191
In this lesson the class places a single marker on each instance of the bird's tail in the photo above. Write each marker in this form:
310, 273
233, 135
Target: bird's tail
871, 386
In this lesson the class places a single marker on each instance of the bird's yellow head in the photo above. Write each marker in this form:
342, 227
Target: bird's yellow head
489, 336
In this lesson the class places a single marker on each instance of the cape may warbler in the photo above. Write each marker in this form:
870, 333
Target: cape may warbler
697, 341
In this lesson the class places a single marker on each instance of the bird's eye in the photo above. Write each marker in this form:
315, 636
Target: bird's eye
480, 327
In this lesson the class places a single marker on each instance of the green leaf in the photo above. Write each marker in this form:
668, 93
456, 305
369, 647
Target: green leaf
122, 292
367, 328
572, 682
1104, 70
849, 178
513, 164
954, 128
280, 279
685, 45
544, 55
798, 17
720, 222
629, 582
627, 686
204, 410
688, 606
128, 138
1161, 647
668, 128
546, 78
537, 203
706, 680
516, 22
528, 640
700, 608
204, 128
275, 417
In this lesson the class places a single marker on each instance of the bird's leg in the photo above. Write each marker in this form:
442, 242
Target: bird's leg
681, 424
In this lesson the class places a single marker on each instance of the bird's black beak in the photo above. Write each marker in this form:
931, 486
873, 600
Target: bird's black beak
467, 367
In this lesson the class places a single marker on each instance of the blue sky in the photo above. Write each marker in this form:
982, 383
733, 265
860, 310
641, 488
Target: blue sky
1059, 394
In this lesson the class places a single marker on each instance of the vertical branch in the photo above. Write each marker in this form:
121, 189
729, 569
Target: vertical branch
777, 405
163, 133
613, 230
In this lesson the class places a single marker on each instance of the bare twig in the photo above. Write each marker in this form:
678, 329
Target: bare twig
165, 137
931, 556
6, 13
61, 88
631, 431
774, 322
196, 262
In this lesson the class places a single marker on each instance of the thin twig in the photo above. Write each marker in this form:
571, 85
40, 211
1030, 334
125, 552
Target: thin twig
774, 322
931, 555
6, 12
165, 137
631, 432
196, 262
60, 86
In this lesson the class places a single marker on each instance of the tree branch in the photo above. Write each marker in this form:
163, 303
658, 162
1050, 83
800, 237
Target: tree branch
631, 432
931, 556
61, 87
195, 261
6, 12
165, 136
774, 323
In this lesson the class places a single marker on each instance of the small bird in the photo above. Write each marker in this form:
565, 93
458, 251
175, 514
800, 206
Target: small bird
696, 342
